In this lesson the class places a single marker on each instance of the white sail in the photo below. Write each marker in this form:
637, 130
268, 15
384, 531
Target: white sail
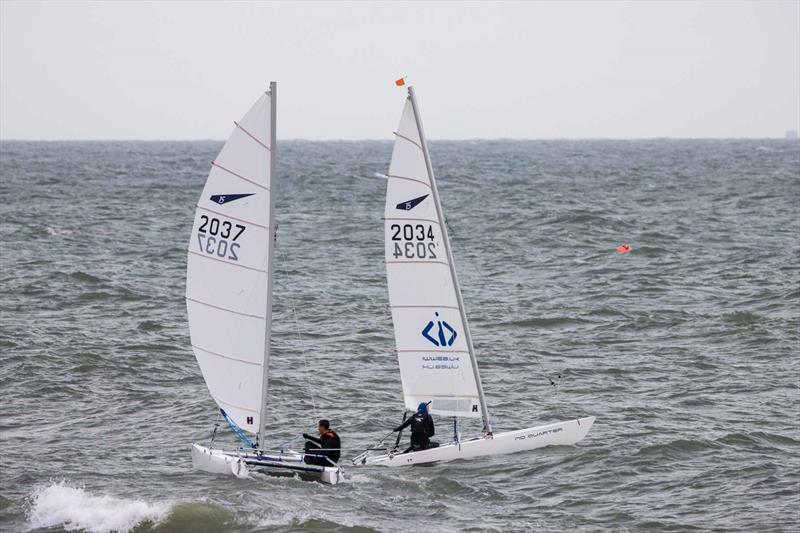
436, 363
228, 285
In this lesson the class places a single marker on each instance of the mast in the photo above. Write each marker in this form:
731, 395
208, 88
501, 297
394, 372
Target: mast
487, 425
272, 234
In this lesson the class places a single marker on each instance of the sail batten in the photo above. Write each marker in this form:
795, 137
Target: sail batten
390, 262
230, 217
418, 306
256, 139
417, 219
232, 173
412, 141
224, 309
229, 273
410, 179
203, 256
229, 405
225, 356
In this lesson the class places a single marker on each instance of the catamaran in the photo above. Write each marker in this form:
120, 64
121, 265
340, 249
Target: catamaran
432, 336
229, 280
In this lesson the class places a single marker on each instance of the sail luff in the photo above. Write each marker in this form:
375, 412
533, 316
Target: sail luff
487, 425
273, 86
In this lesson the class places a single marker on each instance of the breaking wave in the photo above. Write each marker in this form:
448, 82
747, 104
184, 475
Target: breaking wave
63, 505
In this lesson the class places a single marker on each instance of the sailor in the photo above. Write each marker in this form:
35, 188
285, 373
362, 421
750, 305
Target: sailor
326, 449
421, 429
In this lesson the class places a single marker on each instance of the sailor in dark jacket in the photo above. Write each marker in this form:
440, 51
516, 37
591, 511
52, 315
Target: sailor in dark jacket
421, 429
324, 450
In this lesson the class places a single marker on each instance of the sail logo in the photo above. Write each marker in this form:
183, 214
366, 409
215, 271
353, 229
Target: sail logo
440, 362
411, 204
220, 199
440, 339
534, 435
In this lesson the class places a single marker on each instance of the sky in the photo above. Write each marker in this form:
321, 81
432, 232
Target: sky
536, 70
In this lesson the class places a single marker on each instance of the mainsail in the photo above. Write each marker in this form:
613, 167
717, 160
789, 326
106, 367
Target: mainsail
434, 347
229, 271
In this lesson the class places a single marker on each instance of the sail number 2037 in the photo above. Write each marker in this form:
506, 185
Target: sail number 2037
217, 237
413, 241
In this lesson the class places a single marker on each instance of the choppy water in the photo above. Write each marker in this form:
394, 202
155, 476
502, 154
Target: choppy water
686, 349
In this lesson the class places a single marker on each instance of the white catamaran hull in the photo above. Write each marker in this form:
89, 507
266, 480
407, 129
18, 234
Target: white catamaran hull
558, 434
233, 463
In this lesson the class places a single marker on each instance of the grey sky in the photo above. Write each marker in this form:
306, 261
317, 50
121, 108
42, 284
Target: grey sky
186, 70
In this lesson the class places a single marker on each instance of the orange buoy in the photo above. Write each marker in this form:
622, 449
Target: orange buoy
624, 248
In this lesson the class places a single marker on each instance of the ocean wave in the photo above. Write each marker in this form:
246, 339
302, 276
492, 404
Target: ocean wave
759, 440
62, 505
85, 277
677, 449
196, 516
546, 322
306, 521
149, 325
741, 318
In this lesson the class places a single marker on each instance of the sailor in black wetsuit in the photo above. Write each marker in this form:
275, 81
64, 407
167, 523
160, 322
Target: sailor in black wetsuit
421, 429
326, 449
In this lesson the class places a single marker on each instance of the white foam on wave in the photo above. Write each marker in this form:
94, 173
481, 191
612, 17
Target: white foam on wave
58, 231
294, 519
352, 478
62, 505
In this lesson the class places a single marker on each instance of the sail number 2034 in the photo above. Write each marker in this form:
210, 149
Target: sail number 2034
217, 237
413, 241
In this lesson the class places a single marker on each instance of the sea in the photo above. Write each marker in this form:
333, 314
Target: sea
685, 348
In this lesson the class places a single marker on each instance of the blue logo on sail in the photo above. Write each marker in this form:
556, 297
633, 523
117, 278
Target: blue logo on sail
441, 339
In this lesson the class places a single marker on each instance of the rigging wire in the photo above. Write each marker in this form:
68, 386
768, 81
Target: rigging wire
309, 385
216, 427
474, 265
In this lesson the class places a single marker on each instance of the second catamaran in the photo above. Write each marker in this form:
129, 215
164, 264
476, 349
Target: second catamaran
433, 341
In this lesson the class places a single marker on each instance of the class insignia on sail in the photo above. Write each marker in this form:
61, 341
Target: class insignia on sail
228, 198
408, 205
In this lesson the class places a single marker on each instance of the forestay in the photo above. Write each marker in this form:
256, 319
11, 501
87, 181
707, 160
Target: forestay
432, 347
228, 281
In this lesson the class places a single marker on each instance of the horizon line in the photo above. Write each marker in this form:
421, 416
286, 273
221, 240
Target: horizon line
467, 139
